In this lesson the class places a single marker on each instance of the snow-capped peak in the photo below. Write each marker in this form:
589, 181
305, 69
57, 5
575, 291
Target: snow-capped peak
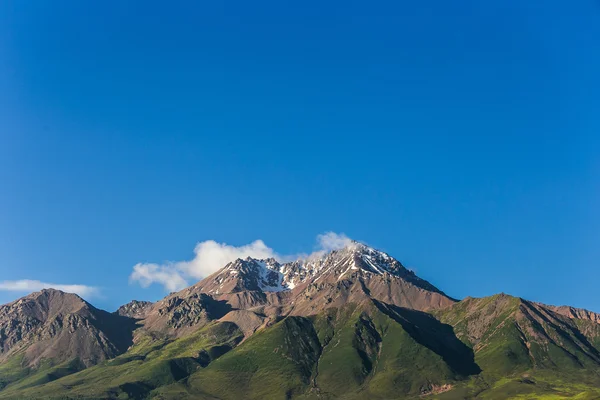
355, 256
271, 276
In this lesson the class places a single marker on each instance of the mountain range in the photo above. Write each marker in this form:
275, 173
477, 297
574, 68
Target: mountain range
351, 323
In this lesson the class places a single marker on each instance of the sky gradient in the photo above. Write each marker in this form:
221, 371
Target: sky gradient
463, 138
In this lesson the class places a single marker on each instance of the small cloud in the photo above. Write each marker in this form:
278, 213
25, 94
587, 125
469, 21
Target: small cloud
29, 285
210, 256
330, 241
168, 276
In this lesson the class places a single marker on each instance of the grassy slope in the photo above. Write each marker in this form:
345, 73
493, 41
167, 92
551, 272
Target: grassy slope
149, 364
14, 375
524, 358
12, 371
352, 353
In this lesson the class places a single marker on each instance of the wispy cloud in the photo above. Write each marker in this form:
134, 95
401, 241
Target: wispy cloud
166, 275
330, 241
210, 256
29, 285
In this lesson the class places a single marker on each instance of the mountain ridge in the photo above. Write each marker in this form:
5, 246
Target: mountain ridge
351, 323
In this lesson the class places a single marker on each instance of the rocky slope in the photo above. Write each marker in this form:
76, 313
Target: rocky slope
54, 325
577, 313
135, 309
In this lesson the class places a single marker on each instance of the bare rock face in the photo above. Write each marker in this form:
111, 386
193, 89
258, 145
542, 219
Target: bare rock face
245, 275
248, 321
51, 324
359, 273
183, 312
135, 309
576, 313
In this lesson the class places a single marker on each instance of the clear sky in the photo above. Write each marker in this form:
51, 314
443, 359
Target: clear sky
462, 137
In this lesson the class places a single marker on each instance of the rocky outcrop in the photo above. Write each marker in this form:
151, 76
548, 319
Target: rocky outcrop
577, 313
183, 312
135, 309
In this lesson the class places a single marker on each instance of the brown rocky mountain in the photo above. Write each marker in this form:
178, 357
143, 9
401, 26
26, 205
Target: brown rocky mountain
60, 326
253, 293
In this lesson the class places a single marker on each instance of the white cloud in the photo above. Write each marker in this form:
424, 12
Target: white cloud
210, 256
330, 241
166, 275
29, 285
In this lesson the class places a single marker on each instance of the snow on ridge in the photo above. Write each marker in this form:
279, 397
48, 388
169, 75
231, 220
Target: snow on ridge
270, 278
275, 277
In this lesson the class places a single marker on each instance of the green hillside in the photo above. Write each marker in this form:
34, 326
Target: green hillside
525, 351
364, 351
151, 363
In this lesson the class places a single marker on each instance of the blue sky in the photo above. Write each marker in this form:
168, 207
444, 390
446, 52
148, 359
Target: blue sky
463, 138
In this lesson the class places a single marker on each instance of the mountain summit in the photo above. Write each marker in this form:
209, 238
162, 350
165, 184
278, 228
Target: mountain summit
353, 261
269, 289
271, 276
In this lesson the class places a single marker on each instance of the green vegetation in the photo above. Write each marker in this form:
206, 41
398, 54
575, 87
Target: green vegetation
151, 363
354, 352
539, 386
48, 373
524, 352
13, 370
15, 375
275, 363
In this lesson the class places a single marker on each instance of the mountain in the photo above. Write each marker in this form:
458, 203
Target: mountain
268, 289
352, 323
50, 327
253, 293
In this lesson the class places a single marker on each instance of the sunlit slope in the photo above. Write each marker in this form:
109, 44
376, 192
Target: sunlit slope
525, 349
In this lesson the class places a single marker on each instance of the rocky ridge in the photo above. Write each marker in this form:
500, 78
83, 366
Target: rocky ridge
61, 326
135, 309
